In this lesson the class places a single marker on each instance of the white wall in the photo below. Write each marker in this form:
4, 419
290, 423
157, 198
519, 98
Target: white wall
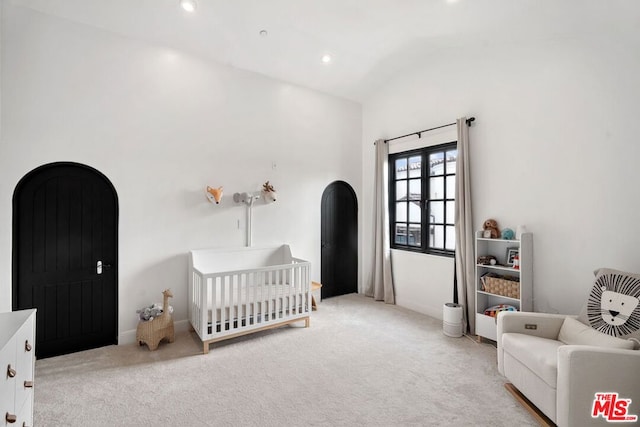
161, 125
554, 147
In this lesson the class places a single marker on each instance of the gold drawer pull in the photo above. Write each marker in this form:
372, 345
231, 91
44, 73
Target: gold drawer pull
27, 346
28, 384
10, 418
11, 372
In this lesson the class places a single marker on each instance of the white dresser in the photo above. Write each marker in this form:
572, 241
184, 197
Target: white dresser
17, 367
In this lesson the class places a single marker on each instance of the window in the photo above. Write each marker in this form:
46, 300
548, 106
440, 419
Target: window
422, 199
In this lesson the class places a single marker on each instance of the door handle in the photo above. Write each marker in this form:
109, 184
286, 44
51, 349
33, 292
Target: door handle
100, 266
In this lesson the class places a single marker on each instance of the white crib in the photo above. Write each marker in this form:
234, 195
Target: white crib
237, 291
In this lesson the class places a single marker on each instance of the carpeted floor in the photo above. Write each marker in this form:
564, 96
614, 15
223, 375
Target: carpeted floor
360, 363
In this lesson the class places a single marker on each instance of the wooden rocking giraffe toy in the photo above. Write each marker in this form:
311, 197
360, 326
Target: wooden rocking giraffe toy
154, 331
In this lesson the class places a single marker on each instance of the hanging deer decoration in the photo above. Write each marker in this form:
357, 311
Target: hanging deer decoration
269, 193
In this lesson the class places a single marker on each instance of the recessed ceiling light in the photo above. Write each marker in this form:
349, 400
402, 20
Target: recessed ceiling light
188, 5
263, 33
326, 58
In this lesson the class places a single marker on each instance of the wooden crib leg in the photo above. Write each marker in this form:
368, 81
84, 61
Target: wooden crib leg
205, 348
307, 322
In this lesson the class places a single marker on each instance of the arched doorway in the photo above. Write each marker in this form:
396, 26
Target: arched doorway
65, 256
339, 239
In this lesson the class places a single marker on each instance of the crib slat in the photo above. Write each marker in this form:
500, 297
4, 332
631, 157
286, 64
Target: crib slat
253, 293
230, 305
270, 296
278, 291
238, 318
307, 283
201, 312
214, 291
301, 290
261, 296
223, 301
238, 302
274, 289
292, 289
304, 288
271, 300
243, 300
233, 304
282, 291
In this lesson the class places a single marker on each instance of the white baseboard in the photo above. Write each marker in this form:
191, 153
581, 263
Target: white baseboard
129, 337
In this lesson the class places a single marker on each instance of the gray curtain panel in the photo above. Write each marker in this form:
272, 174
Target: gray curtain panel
465, 259
380, 285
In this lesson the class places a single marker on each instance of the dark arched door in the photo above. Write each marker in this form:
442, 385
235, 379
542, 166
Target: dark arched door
339, 238
65, 254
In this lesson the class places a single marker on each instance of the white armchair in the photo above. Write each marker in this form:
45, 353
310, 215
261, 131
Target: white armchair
562, 380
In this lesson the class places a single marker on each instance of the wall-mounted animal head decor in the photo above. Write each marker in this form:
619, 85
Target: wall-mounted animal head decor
269, 193
214, 195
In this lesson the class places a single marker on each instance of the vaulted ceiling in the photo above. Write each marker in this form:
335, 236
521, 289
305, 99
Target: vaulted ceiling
369, 40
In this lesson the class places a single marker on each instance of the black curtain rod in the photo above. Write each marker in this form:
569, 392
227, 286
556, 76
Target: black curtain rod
419, 133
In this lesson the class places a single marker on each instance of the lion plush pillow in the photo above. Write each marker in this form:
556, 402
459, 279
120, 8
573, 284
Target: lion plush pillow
613, 306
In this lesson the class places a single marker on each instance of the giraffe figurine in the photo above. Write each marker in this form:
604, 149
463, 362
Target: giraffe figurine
153, 331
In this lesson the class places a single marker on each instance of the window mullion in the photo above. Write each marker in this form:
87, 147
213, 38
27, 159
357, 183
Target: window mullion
424, 202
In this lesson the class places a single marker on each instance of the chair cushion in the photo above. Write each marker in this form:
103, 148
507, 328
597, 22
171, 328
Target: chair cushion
613, 306
575, 332
543, 361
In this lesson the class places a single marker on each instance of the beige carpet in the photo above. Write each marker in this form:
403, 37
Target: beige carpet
360, 363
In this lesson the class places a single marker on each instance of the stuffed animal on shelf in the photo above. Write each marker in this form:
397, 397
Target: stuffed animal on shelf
494, 310
491, 229
487, 260
508, 234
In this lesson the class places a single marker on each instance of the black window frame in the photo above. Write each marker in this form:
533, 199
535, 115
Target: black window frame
425, 223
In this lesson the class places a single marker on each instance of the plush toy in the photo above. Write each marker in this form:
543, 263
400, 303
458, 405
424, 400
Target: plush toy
508, 234
613, 306
494, 310
151, 312
491, 229
487, 260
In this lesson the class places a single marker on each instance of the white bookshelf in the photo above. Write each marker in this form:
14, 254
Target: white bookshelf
486, 325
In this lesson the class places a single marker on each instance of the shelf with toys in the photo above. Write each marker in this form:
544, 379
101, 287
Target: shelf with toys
503, 276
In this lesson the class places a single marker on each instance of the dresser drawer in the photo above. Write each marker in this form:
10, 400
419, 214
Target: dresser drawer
25, 415
25, 359
7, 383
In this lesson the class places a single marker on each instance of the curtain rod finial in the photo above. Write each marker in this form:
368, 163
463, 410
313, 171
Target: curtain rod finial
470, 120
